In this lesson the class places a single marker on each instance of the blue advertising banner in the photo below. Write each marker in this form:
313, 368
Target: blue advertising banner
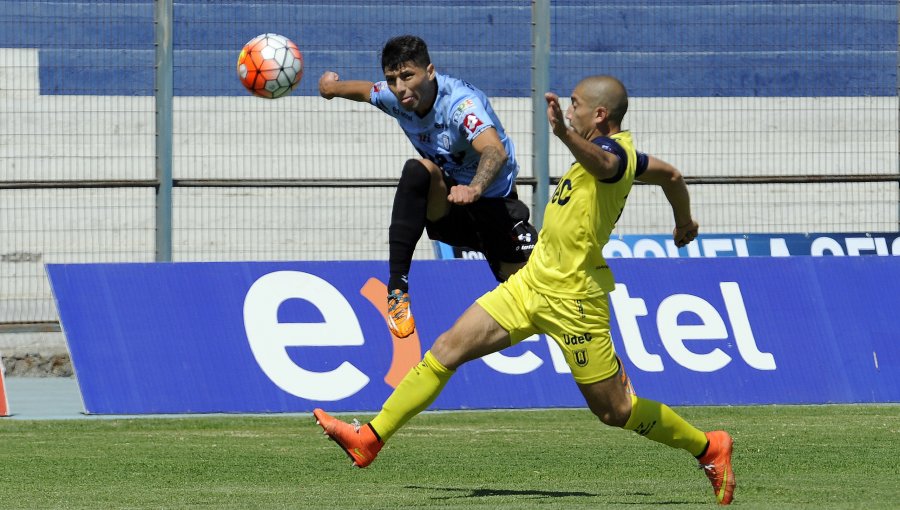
292, 336
729, 245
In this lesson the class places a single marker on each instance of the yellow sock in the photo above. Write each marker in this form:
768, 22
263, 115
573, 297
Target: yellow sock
660, 423
418, 389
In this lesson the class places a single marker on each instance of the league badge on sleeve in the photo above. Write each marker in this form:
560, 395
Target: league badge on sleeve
472, 123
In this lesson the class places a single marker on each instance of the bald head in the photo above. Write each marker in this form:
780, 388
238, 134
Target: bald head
605, 91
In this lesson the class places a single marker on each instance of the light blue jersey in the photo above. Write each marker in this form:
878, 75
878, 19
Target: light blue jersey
460, 113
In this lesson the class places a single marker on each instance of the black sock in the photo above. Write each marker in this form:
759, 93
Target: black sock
374, 432
407, 221
705, 449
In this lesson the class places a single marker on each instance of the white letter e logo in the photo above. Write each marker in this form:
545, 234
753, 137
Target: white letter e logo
268, 338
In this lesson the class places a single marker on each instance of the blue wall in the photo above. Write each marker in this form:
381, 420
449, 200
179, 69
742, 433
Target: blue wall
670, 48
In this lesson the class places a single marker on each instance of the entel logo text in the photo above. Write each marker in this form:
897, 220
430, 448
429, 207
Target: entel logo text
268, 338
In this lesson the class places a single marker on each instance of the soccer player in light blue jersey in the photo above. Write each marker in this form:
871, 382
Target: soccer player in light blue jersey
462, 188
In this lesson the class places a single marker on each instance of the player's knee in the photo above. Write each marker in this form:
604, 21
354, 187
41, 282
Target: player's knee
432, 168
414, 177
448, 351
614, 415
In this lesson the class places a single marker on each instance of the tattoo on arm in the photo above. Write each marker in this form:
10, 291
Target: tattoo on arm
492, 160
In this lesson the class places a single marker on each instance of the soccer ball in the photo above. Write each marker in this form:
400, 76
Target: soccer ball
270, 66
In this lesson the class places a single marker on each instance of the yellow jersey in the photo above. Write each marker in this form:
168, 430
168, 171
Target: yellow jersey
567, 261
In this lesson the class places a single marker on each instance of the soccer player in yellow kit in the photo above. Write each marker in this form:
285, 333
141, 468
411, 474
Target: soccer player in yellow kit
562, 292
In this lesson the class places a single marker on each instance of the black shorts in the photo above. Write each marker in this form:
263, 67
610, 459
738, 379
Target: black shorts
497, 227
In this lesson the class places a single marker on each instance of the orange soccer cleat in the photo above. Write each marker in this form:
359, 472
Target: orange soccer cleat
359, 442
400, 319
716, 463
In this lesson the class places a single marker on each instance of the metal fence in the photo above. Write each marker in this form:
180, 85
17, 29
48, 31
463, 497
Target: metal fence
782, 115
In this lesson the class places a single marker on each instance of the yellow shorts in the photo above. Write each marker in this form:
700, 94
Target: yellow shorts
579, 327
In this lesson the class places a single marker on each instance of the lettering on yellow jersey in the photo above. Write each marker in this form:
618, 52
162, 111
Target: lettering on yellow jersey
577, 339
563, 193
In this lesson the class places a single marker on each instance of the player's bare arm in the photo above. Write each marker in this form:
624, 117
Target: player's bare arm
596, 161
671, 181
493, 158
331, 86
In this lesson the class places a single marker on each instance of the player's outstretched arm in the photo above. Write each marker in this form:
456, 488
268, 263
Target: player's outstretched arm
331, 86
672, 182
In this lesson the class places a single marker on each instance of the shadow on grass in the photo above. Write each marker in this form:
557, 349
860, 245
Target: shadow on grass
454, 492
458, 493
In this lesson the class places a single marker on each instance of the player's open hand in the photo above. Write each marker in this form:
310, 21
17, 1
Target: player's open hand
555, 114
684, 234
326, 84
463, 194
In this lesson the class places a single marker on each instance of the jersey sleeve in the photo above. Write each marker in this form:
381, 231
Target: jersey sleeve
642, 161
470, 117
381, 97
611, 146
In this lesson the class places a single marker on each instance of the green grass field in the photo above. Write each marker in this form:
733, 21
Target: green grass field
785, 456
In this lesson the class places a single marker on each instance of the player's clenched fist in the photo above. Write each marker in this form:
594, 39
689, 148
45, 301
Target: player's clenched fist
326, 84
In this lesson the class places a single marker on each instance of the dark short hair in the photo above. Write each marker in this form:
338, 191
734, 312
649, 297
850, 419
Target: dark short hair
402, 49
